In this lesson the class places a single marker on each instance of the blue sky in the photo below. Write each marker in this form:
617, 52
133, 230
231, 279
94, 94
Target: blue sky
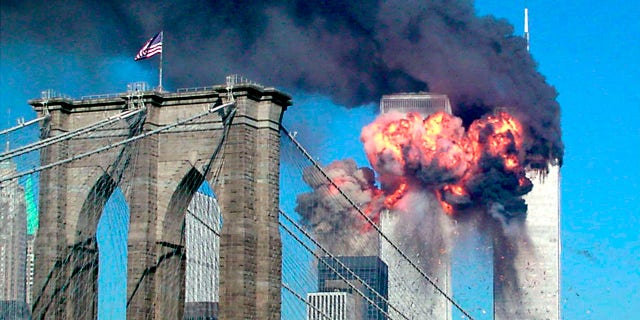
588, 50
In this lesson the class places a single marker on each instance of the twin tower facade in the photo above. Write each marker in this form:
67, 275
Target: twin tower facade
524, 286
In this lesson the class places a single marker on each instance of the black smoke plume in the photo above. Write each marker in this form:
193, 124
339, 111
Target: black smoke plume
493, 184
353, 51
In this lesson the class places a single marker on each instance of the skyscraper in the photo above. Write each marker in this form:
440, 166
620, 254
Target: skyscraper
32, 228
409, 292
424, 103
370, 269
30, 265
332, 305
13, 245
203, 251
525, 263
535, 292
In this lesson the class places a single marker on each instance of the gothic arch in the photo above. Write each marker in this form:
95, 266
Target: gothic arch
170, 275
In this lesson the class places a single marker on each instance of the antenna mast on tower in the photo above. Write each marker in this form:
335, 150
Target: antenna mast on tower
526, 26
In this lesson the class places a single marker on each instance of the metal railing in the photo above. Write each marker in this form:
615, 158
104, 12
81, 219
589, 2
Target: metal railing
132, 88
101, 96
194, 89
52, 94
231, 80
235, 79
141, 86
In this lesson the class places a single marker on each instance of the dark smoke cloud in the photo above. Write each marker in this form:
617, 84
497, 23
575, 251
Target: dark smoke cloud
352, 51
337, 225
493, 184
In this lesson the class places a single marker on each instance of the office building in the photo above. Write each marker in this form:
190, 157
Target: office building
424, 103
334, 275
534, 293
13, 245
409, 292
332, 305
203, 251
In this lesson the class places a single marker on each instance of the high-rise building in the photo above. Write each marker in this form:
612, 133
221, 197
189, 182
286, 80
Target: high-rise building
32, 229
534, 292
332, 305
202, 237
370, 269
409, 292
13, 244
525, 272
14, 310
30, 264
424, 103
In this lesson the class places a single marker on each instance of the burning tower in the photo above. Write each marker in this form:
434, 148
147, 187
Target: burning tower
429, 164
533, 291
408, 291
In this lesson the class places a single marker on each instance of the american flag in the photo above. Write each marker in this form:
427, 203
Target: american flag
150, 48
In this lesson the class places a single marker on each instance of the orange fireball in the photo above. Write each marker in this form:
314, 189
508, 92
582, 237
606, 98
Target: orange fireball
438, 153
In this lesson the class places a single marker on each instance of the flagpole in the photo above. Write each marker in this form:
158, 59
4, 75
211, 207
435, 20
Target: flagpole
161, 53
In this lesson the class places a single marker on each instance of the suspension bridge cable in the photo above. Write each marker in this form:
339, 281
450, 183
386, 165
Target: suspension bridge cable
316, 309
79, 246
342, 265
22, 125
216, 173
138, 137
220, 146
294, 275
67, 135
335, 271
331, 246
77, 271
295, 272
373, 224
203, 223
227, 124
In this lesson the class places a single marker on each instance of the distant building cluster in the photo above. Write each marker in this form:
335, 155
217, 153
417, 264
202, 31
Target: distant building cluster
351, 287
16, 249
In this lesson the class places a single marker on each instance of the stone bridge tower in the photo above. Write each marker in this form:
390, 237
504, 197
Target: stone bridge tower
162, 172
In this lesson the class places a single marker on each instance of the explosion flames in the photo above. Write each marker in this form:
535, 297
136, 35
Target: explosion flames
459, 170
438, 155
